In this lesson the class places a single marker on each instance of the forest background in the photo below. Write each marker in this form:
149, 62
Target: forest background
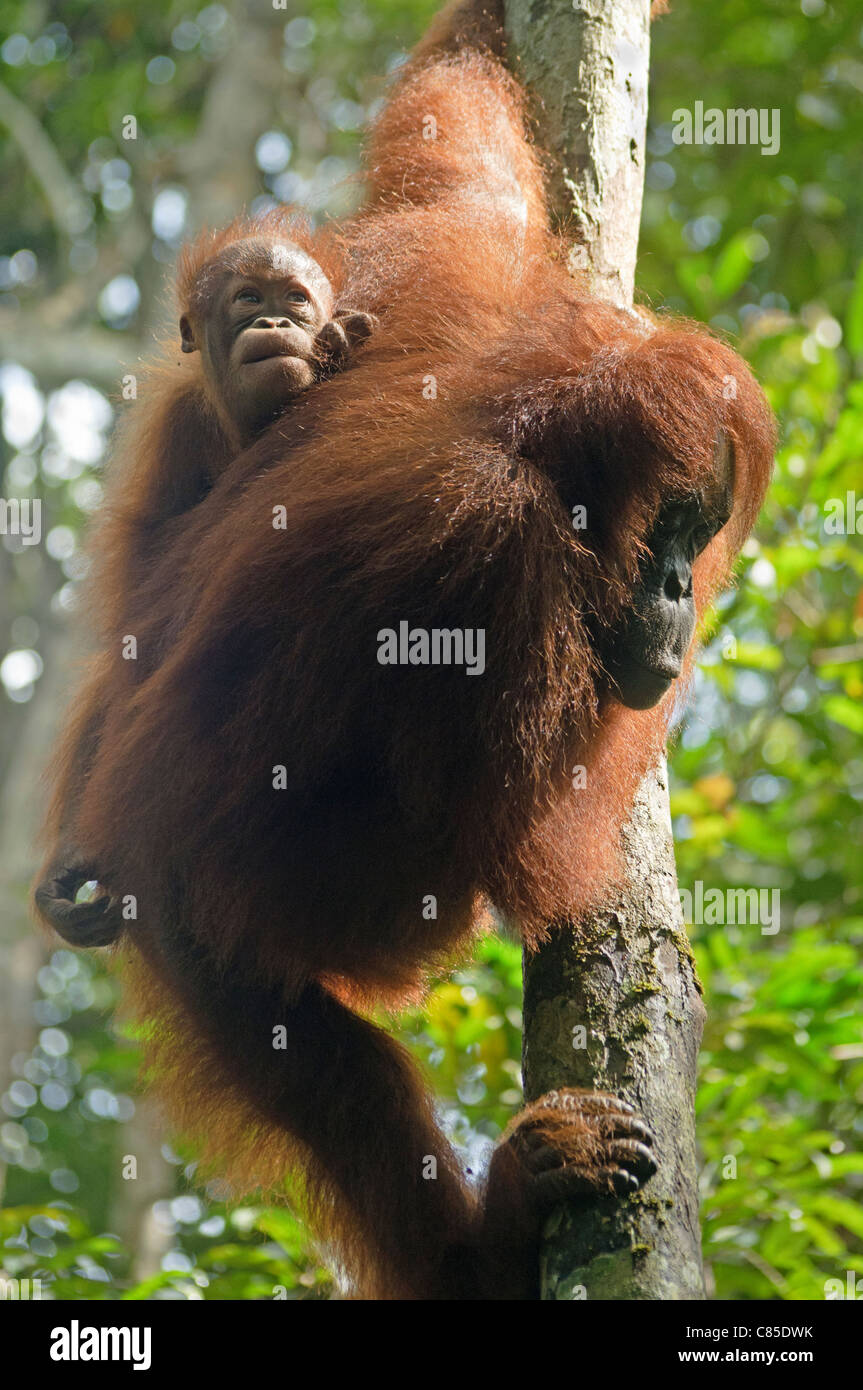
243, 105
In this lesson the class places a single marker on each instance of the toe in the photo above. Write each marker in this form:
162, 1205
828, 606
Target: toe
634, 1156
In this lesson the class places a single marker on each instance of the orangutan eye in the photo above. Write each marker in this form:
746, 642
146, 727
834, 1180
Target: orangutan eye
247, 296
297, 297
701, 538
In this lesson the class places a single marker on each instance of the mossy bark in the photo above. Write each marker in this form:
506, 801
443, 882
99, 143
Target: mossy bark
617, 1007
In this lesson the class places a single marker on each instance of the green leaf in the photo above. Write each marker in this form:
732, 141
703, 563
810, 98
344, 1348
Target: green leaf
854, 315
732, 266
846, 712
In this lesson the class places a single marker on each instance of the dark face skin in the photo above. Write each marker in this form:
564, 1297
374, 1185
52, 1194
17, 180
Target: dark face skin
646, 653
257, 323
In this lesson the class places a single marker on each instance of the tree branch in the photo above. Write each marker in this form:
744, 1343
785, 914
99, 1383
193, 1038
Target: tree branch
96, 354
218, 164
69, 208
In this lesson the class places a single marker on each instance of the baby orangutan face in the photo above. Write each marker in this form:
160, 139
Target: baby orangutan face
262, 318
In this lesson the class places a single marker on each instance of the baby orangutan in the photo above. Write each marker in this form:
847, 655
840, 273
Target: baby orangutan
259, 311
261, 315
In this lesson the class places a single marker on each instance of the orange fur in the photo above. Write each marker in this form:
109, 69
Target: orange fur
261, 908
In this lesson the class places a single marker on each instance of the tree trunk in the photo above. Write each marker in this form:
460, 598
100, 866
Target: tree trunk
627, 979
627, 976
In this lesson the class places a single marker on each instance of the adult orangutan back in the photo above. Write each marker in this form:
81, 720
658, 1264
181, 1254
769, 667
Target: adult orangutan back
308, 822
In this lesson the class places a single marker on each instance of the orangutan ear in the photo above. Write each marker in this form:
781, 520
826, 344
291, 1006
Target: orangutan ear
187, 335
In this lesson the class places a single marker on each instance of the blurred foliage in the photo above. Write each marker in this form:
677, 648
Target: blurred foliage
768, 768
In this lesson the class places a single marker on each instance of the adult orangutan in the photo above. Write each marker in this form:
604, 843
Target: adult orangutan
315, 788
